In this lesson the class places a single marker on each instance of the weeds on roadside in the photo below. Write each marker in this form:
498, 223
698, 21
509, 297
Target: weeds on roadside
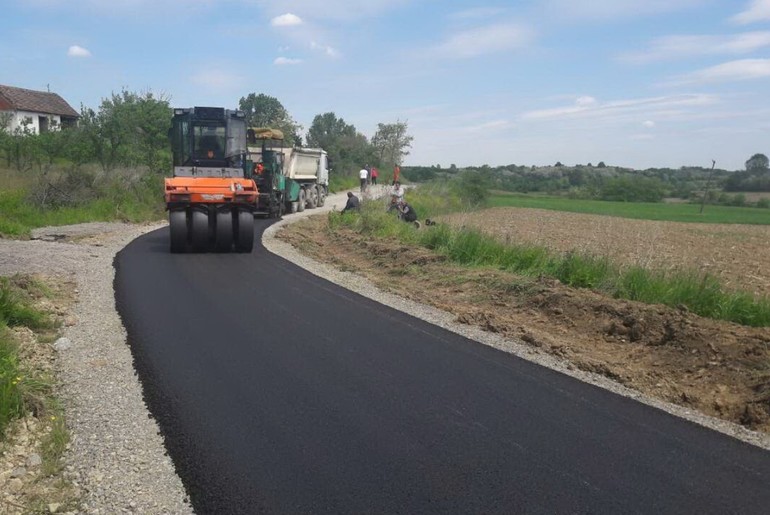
55, 441
20, 391
700, 293
11, 401
123, 195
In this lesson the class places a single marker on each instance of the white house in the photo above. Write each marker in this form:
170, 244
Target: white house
42, 110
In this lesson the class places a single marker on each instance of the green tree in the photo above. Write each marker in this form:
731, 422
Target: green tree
5, 136
266, 111
52, 142
347, 148
391, 142
23, 146
632, 189
758, 163
473, 187
128, 129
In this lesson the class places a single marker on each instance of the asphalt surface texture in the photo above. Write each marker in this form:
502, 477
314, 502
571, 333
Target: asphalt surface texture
279, 392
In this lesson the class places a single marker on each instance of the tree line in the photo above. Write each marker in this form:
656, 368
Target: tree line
603, 182
130, 129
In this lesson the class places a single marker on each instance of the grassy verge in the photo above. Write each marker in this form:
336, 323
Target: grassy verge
21, 390
90, 196
638, 210
31, 418
700, 293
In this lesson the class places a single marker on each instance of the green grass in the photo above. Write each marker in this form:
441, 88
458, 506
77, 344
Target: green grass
122, 195
639, 210
11, 400
55, 442
700, 293
20, 391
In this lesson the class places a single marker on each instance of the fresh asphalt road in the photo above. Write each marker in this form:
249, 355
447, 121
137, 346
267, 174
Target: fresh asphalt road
279, 392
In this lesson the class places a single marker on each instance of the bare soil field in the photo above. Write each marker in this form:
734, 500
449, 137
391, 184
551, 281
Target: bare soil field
718, 368
737, 254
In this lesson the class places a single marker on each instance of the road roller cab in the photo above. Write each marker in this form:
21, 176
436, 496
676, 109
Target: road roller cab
211, 196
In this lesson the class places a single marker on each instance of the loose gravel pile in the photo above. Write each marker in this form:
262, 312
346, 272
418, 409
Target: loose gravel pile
117, 456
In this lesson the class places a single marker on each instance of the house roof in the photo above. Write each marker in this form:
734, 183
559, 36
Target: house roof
21, 99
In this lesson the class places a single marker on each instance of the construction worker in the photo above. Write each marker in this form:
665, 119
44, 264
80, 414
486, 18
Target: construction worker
397, 193
407, 213
363, 176
352, 204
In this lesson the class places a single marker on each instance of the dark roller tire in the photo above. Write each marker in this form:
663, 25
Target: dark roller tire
244, 240
301, 201
200, 231
223, 239
177, 221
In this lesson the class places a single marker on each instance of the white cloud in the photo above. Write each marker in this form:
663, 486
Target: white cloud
742, 69
78, 51
486, 40
329, 51
285, 61
649, 124
672, 47
758, 10
620, 107
286, 20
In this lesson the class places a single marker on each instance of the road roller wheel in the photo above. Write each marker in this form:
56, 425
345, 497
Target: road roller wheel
177, 221
223, 238
200, 231
244, 240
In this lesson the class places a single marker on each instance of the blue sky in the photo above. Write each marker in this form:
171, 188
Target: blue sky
637, 83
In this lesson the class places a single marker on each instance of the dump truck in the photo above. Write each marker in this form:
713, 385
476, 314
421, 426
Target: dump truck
289, 179
211, 197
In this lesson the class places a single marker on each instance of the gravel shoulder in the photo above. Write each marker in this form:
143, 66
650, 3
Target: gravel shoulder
116, 456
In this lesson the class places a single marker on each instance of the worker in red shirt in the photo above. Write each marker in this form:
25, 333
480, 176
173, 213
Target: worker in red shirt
374, 174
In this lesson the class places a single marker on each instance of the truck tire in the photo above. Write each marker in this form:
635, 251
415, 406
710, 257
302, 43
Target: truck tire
312, 197
177, 221
200, 231
302, 200
293, 206
244, 240
321, 195
223, 237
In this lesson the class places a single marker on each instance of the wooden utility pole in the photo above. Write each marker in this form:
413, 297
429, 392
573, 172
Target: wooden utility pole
708, 184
